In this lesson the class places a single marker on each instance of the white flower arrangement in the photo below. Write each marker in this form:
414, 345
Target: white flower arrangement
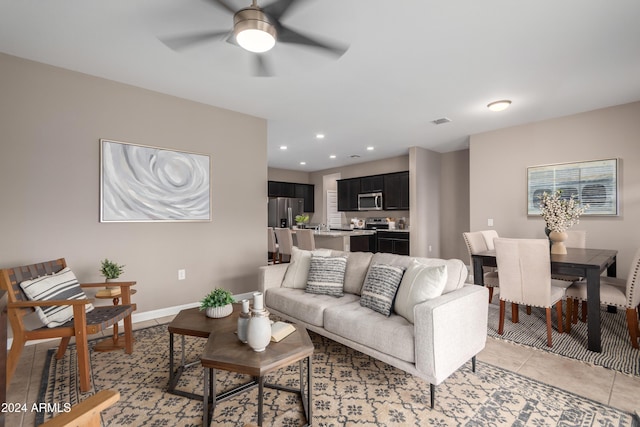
560, 213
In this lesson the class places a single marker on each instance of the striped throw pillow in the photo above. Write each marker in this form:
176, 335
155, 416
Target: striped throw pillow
326, 275
380, 287
59, 286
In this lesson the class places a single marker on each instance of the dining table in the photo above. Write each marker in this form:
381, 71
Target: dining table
582, 262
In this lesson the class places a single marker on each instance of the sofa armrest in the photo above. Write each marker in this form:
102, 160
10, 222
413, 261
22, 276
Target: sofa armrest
450, 330
271, 276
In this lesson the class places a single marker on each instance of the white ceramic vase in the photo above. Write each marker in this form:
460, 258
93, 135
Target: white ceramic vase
259, 330
218, 312
557, 246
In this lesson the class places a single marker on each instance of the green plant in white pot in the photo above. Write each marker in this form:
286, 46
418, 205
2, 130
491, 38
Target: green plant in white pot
111, 271
217, 303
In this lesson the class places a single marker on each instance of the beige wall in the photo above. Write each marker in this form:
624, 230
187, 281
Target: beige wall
51, 122
454, 204
286, 175
499, 160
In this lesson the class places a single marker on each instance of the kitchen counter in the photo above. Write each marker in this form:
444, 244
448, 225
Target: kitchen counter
341, 233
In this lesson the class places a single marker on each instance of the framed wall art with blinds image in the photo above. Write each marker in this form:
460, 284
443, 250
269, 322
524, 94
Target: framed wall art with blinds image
593, 182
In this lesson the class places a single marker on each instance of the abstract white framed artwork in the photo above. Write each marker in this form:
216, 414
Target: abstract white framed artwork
140, 183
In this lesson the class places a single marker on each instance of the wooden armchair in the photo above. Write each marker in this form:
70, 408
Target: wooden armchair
80, 326
85, 413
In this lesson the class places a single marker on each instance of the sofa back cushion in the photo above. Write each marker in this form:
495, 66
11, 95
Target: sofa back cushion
456, 270
298, 270
357, 267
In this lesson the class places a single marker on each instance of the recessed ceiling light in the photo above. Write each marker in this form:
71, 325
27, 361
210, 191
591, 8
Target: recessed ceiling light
333, 156
320, 135
370, 148
303, 163
499, 105
283, 147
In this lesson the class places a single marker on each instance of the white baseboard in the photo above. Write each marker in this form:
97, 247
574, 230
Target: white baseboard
148, 315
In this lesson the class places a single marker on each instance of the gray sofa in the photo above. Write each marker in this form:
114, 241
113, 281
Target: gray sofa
447, 331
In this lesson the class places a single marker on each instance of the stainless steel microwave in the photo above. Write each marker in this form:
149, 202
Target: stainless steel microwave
370, 202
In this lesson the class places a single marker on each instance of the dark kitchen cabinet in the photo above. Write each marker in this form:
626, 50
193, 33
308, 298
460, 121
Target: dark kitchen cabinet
396, 191
372, 184
306, 191
282, 189
348, 190
365, 243
393, 242
290, 189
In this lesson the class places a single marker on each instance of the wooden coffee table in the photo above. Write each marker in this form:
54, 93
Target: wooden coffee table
194, 323
224, 351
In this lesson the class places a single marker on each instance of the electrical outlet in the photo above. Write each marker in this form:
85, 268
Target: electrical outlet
490, 222
430, 248
182, 274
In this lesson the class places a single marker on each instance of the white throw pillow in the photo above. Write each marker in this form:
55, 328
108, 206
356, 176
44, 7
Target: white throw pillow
298, 270
419, 283
59, 286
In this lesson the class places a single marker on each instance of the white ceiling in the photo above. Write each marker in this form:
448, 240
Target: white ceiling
409, 62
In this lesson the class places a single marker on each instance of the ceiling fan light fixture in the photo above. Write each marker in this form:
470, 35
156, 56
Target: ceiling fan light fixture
499, 105
253, 30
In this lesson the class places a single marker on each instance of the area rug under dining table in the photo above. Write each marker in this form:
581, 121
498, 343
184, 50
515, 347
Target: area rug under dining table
349, 389
531, 330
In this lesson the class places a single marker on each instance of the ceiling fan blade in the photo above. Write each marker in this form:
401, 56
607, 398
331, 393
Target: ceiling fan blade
223, 4
278, 8
287, 35
261, 67
182, 42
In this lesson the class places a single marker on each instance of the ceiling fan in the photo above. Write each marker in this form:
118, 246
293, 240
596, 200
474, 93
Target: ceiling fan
257, 30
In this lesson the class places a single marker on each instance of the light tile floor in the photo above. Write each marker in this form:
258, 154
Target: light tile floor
596, 383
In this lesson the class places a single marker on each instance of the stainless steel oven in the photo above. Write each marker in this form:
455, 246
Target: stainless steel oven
370, 202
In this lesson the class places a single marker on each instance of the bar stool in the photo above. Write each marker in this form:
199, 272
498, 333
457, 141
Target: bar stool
285, 242
306, 240
272, 246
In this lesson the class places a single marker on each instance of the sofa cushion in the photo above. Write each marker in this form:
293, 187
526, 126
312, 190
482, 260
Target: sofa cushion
357, 267
391, 335
303, 306
62, 285
380, 287
456, 270
326, 275
419, 283
298, 270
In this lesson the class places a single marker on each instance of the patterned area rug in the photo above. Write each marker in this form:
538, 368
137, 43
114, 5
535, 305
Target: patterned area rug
350, 389
531, 330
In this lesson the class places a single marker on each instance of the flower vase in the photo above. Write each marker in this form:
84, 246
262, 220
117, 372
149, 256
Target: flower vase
259, 330
558, 238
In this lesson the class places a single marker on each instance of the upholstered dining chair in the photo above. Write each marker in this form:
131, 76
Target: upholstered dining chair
476, 242
285, 243
272, 246
615, 292
525, 278
305, 239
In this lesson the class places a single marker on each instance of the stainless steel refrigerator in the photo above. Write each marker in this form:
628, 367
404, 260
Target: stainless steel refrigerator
283, 211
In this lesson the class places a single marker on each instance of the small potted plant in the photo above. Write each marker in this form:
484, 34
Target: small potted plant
302, 220
217, 303
111, 271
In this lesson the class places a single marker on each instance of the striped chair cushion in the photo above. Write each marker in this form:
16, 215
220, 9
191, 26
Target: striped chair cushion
59, 286
380, 287
326, 275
